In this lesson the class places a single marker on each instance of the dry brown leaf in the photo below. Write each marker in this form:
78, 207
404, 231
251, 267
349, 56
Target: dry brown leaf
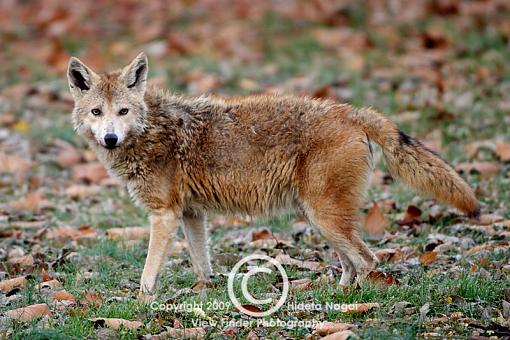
201, 285
116, 323
130, 233
375, 221
411, 216
23, 261
383, 279
62, 295
28, 224
92, 172
91, 299
503, 151
45, 276
261, 234
28, 313
13, 164
8, 285
251, 308
359, 308
287, 260
81, 191
388, 255
428, 257
342, 335
326, 327
33, 201
67, 155
487, 219
181, 333
301, 284
478, 248
51, 284
472, 149
64, 234
485, 169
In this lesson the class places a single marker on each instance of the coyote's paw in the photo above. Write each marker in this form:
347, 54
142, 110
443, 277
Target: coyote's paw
145, 298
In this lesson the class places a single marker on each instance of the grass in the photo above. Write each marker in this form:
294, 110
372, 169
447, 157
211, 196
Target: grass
449, 287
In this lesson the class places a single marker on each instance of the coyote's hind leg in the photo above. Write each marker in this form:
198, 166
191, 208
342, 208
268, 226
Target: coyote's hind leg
355, 257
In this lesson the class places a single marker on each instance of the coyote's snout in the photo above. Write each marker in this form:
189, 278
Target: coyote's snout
181, 157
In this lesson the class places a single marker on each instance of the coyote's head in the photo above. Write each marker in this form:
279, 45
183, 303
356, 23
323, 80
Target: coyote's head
109, 108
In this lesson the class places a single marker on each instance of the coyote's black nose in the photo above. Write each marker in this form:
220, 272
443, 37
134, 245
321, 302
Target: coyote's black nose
110, 140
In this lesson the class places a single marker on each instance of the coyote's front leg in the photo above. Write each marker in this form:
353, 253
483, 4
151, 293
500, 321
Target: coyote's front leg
163, 227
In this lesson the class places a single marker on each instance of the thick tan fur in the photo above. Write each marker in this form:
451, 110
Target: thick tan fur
182, 157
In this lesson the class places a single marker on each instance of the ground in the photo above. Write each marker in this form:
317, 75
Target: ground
440, 69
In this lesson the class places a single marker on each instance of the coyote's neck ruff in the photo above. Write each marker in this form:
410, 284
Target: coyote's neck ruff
183, 156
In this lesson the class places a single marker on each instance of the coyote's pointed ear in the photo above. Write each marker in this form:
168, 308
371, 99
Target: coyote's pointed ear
135, 74
80, 77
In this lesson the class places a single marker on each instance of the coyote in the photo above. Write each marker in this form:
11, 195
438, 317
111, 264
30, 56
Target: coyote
183, 156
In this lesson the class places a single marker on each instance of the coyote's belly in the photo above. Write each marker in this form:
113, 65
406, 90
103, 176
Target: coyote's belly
262, 190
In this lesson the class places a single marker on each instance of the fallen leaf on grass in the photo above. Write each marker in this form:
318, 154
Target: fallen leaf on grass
51, 284
29, 313
28, 224
326, 327
342, 335
67, 154
33, 201
381, 278
251, 308
411, 216
506, 309
424, 310
428, 257
479, 248
287, 260
81, 191
45, 276
181, 333
116, 323
485, 169
201, 285
388, 255
261, 234
503, 151
22, 261
359, 308
13, 164
472, 149
64, 234
91, 299
301, 284
131, 233
63, 296
375, 221
487, 219
8, 285
91, 172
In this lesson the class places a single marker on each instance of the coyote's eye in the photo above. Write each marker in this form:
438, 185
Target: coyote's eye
123, 112
96, 112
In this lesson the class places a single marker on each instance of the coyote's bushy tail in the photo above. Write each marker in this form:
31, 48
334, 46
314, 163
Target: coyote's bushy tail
415, 164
